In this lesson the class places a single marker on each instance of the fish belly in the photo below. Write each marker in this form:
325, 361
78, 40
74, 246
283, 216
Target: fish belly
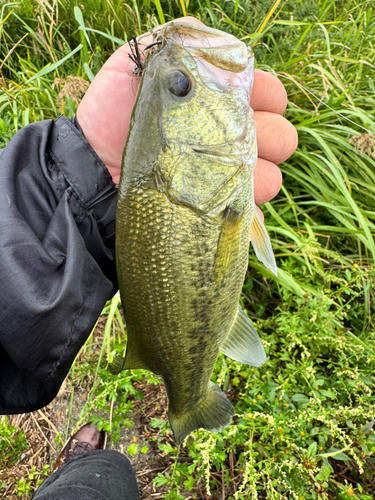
180, 296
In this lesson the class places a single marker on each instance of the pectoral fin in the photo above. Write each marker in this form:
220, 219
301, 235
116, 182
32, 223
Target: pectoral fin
243, 343
262, 244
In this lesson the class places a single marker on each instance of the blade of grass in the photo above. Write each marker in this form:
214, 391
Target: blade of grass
159, 11
268, 16
52, 67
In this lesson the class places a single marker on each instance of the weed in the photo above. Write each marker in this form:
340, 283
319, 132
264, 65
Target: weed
25, 487
12, 443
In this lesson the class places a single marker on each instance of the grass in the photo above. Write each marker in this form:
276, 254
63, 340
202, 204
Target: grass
303, 425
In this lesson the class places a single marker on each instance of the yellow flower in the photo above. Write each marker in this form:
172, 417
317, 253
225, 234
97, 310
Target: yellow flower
302, 433
280, 430
253, 401
259, 396
349, 491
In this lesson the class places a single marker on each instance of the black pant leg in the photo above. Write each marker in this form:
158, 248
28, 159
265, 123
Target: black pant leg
97, 475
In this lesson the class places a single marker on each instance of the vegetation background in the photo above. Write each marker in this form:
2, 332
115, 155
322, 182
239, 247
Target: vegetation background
304, 420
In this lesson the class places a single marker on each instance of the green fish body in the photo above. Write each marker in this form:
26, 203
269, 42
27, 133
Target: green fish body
185, 217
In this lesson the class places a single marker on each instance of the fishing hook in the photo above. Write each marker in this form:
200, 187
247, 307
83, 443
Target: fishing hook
135, 56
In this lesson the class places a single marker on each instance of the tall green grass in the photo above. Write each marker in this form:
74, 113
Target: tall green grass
303, 423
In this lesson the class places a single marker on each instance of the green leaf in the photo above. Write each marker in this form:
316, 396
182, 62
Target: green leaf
328, 393
336, 454
311, 452
315, 430
324, 473
367, 427
133, 449
300, 399
161, 480
189, 484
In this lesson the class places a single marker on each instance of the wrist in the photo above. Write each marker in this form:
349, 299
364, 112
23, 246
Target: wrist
98, 144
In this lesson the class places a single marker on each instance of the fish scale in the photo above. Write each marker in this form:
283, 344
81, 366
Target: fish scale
185, 216
181, 306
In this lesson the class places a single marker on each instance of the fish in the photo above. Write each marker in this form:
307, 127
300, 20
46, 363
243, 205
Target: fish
185, 218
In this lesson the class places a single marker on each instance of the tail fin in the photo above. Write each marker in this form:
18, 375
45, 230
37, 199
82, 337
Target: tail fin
213, 413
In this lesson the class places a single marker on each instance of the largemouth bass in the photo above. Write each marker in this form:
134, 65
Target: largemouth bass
185, 217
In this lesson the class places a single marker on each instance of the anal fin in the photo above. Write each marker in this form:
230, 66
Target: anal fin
131, 361
243, 343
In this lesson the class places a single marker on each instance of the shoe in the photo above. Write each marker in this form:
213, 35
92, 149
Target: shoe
86, 439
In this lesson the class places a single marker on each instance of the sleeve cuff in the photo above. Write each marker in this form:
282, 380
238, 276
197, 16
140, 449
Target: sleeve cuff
84, 171
70, 151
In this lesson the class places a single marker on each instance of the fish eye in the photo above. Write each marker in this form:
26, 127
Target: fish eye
178, 83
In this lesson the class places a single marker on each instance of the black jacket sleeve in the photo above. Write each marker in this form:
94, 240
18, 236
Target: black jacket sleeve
57, 262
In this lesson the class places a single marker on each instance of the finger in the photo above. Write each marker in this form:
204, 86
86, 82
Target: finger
260, 213
268, 93
267, 181
277, 138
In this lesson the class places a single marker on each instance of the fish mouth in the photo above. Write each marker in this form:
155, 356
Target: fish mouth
223, 150
216, 47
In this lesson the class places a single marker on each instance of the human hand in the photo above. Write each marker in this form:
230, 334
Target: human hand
105, 111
